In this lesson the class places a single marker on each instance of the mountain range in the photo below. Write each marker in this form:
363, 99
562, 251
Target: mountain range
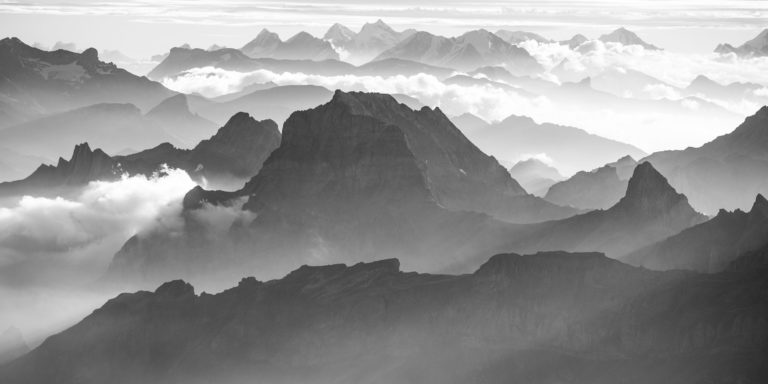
469, 51
710, 246
362, 177
301, 46
570, 149
235, 153
34, 82
753, 48
543, 318
727, 172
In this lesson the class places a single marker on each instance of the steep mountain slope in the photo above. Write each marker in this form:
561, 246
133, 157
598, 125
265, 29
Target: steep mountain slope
551, 317
753, 48
469, 51
710, 246
599, 188
34, 82
571, 149
725, 173
301, 46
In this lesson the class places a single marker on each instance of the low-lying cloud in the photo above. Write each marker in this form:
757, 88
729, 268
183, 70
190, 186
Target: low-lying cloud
53, 249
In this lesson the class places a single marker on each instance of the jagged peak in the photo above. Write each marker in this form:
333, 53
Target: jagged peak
649, 191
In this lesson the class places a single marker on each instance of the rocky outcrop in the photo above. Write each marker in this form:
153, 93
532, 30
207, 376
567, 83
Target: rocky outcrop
710, 246
578, 318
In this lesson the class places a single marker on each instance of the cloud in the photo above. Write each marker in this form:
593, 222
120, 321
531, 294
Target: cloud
487, 101
86, 228
53, 249
677, 69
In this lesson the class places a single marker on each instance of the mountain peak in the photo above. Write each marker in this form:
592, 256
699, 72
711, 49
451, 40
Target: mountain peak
760, 205
649, 191
626, 37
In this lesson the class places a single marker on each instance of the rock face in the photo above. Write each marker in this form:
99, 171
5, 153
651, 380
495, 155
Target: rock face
651, 210
710, 246
727, 172
550, 317
38, 82
626, 37
467, 52
301, 46
753, 48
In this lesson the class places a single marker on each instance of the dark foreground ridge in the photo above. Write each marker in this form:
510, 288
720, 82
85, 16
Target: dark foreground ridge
549, 317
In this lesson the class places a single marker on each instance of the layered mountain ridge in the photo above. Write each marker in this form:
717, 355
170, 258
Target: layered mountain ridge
537, 318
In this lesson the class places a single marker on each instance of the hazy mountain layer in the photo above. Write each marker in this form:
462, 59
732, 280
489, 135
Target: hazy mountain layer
550, 317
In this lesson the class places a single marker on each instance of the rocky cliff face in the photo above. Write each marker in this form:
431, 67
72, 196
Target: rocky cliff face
710, 246
550, 317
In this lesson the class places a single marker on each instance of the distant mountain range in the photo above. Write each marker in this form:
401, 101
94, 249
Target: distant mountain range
753, 48
301, 46
235, 153
469, 51
34, 82
112, 127
571, 149
727, 172
549, 317
626, 37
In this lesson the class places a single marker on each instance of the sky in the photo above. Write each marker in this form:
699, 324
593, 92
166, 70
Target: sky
141, 28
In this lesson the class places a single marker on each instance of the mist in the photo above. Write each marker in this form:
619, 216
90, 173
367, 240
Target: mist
53, 250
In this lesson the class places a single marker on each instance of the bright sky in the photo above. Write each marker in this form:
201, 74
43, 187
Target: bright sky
141, 28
